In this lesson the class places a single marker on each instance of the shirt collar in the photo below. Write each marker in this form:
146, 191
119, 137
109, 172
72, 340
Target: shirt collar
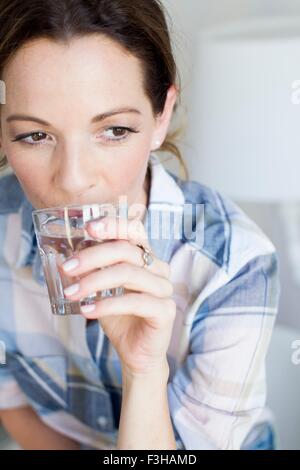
165, 209
165, 198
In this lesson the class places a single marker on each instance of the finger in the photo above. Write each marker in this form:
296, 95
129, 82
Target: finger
122, 228
131, 230
120, 275
110, 253
161, 311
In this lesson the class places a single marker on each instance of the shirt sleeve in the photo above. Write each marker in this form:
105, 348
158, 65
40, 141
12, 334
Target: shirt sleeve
11, 395
219, 391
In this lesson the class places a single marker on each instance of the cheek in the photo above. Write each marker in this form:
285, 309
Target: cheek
34, 182
128, 176
25, 167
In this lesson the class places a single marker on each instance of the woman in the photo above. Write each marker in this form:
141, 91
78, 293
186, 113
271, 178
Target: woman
178, 361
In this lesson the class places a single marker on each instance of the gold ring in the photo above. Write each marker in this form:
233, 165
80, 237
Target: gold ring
147, 255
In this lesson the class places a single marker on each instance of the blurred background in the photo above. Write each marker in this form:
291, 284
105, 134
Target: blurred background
240, 67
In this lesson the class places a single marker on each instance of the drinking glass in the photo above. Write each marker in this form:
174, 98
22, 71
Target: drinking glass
61, 233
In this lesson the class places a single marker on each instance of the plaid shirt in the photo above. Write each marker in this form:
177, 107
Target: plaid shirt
225, 274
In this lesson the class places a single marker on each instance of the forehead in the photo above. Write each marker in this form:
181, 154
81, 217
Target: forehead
90, 67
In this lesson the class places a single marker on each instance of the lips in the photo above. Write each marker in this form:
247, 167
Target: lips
76, 210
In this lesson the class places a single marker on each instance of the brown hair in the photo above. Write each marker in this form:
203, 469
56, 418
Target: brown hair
139, 26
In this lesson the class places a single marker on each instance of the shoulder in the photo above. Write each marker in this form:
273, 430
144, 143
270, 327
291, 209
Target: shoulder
12, 204
231, 270
221, 230
11, 194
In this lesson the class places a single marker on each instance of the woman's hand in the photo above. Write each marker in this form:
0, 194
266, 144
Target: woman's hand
139, 323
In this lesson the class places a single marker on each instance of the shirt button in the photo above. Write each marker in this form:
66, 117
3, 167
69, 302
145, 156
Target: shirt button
102, 421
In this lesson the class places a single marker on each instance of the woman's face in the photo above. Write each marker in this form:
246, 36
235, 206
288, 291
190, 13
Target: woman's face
57, 127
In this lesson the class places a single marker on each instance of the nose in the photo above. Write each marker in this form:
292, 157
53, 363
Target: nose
75, 171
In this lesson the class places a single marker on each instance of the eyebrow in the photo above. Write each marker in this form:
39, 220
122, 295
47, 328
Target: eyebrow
98, 118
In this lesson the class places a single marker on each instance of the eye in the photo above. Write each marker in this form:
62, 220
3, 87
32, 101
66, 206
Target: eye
113, 134
35, 138
117, 134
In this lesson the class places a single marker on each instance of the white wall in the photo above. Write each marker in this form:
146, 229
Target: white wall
188, 17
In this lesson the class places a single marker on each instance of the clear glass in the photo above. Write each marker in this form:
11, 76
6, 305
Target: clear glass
61, 233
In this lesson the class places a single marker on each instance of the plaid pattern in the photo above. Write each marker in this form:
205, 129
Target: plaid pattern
226, 287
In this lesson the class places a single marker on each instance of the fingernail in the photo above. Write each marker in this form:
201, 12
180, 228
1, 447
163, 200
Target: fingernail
88, 308
71, 289
70, 265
